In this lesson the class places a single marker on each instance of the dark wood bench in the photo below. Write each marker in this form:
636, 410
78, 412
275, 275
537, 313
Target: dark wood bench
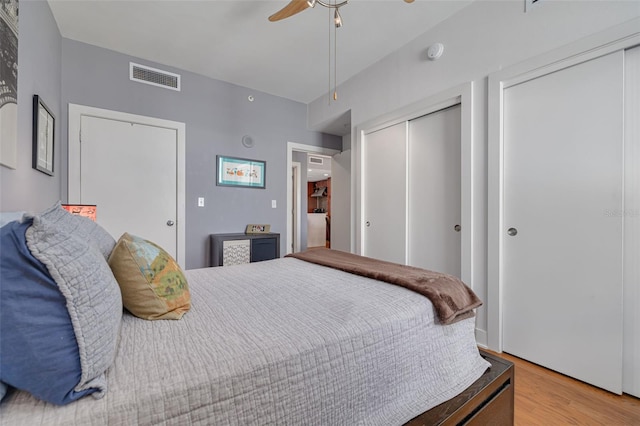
489, 400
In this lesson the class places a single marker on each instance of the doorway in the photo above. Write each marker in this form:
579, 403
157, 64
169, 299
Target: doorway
586, 129
412, 192
563, 153
318, 201
300, 152
433, 134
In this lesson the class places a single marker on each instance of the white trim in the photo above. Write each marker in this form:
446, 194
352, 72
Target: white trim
481, 338
631, 220
292, 146
463, 95
406, 192
617, 38
75, 114
297, 165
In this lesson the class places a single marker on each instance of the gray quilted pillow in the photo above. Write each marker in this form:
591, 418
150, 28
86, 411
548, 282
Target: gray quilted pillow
81, 227
65, 245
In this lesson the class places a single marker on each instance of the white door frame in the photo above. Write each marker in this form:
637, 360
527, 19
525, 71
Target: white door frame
293, 146
296, 181
462, 95
75, 115
631, 223
608, 41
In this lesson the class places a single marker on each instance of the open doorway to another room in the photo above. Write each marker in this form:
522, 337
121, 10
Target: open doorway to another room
311, 213
318, 201
298, 205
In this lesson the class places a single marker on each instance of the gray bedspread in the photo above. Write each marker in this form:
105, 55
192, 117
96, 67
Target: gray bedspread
282, 342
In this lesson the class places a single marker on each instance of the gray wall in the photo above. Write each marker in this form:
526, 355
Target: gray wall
341, 198
480, 39
217, 114
39, 59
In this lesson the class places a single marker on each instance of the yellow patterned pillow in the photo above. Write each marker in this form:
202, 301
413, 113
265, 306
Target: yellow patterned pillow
152, 284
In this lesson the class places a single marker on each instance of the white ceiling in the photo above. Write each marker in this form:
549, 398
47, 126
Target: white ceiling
316, 172
232, 40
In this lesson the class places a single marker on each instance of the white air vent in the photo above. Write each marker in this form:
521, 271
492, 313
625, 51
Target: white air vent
153, 76
316, 160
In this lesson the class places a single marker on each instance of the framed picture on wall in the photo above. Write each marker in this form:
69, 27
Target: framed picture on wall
9, 83
43, 136
232, 171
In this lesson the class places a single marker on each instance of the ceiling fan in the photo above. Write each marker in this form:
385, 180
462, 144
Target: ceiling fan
297, 6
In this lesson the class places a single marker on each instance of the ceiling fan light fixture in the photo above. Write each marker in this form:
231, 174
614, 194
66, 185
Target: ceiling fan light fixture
337, 19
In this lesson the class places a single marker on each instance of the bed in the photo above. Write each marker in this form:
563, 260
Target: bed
288, 342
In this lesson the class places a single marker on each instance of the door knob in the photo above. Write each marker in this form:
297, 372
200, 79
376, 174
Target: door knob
512, 232
170, 222
457, 228
368, 223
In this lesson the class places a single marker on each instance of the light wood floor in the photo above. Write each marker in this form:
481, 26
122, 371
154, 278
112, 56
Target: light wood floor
544, 397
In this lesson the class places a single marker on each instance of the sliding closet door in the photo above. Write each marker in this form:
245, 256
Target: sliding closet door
434, 191
562, 242
384, 193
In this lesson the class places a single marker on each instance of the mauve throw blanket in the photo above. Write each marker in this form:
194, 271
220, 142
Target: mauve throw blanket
452, 299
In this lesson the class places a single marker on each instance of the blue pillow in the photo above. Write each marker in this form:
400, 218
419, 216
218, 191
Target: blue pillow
78, 266
38, 349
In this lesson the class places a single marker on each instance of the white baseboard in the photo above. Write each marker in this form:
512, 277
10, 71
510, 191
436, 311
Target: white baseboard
481, 338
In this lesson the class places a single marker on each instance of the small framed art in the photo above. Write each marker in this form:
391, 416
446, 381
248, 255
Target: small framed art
43, 136
241, 172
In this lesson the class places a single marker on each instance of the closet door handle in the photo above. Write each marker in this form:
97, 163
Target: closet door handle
368, 224
170, 222
512, 232
457, 228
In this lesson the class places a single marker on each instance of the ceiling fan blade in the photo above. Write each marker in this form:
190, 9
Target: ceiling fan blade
295, 6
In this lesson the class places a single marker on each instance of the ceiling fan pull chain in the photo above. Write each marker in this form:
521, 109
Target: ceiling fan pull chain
329, 58
335, 61
329, 61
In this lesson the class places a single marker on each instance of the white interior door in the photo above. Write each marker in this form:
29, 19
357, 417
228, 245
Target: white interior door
130, 172
562, 249
434, 191
384, 193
